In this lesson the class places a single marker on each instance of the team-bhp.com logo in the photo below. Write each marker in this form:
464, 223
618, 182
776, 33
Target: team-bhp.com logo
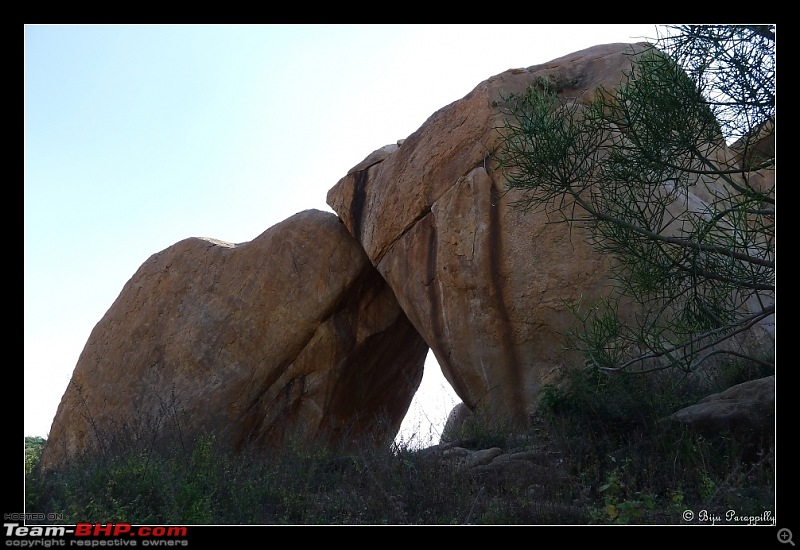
95, 534
126, 529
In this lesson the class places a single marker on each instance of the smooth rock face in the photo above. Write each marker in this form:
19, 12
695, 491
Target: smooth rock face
484, 283
293, 334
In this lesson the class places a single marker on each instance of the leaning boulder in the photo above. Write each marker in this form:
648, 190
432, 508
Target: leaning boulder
487, 285
291, 335
484, 283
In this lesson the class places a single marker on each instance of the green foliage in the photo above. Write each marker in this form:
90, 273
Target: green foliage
33, 451
618, 507
617, 165
623, 166
611, 460
641, 468
733, 67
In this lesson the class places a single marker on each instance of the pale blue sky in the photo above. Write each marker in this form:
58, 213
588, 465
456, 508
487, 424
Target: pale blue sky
138, 136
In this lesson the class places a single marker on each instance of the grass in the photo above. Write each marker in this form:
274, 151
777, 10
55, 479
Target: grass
617, 462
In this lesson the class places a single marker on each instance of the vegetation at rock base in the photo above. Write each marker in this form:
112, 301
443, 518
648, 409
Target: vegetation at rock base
606, 453
605, 456
627, 165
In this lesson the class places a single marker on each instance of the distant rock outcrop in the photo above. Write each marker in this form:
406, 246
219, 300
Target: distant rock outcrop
293, 334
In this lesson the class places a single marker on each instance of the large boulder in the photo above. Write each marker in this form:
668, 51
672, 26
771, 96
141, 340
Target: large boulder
293, 334
486, 284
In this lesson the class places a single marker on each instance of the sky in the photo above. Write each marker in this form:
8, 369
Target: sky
139, 136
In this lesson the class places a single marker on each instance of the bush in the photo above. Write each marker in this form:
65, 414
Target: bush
638, 468
607, 456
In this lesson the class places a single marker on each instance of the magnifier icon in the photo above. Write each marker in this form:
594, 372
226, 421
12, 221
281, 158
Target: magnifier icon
785, 536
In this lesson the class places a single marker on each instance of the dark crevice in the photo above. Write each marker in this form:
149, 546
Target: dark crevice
513, 362
358, 200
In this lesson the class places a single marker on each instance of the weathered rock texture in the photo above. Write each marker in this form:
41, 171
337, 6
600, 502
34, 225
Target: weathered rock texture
293, 334
297, 334
747, 410
484, 283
